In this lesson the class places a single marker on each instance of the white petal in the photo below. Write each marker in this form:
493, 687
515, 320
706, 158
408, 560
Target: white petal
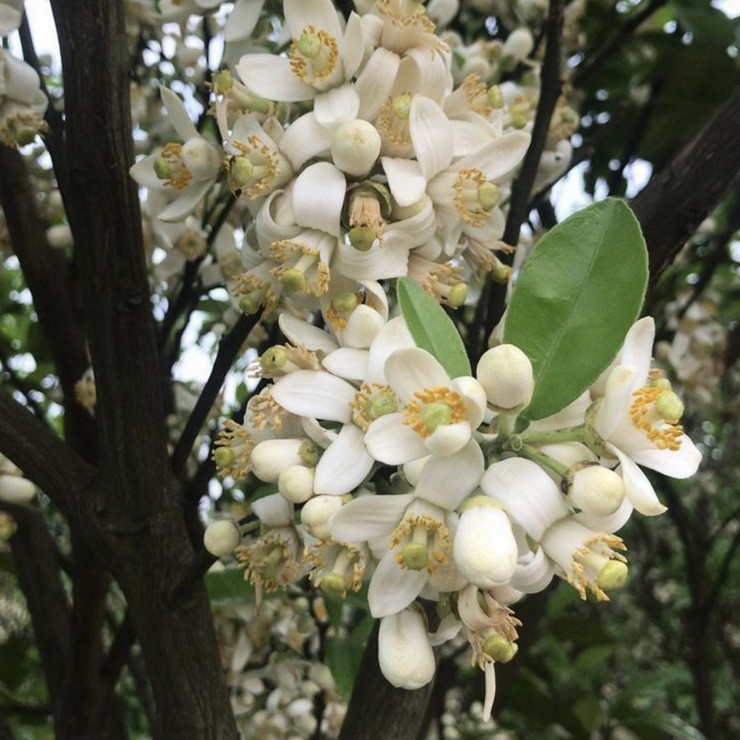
320, 13
144, 174
638, 347
680, 463
376, 81
393, 336
242, 19
470, 133
637, 488
528, 493
347, 363
185, 202
318, 197
431, 135
304, 139
617, 399
380, 262
353, 46
273, 510
533, 573
367, 517
272, 78
405, 655
448, 438
362, 327
447, 481
405, 180
177, 114
16, 490
499, 157
335, 106
315, 394
344, 465
300, 332
392, 587
411, 370
609, 524
390, 441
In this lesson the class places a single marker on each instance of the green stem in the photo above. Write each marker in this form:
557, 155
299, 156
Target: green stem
535, 455
555, 436
506, 423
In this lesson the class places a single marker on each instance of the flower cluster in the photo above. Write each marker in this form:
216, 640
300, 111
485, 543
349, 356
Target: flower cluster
368, 151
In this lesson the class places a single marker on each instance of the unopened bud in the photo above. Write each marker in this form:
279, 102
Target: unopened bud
221, 537
355, 147
295, 483
406, 658
317, 512
16, 490
595, 489
505, 373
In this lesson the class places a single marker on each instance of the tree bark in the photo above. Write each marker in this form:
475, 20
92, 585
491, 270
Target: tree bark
680, 197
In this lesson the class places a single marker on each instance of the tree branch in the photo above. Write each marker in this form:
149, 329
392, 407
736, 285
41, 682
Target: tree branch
44, 458
680, 197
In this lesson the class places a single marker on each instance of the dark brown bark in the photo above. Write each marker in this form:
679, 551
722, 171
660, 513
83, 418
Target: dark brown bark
681, 196
377, 709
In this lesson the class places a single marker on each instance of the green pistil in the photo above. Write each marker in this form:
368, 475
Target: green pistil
457, 295
495, 97
293, 280
435, 415
613, 575
223, 457
488, 196
669, 406
414, 556
380, 405
309, 45
250, 303
345, 302
402, 106
162, 168
362, 238
499, 648
274, 359
334, 585
310, 453
241, 171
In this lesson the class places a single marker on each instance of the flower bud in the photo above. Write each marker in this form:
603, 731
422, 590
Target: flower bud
595, 490
406, 658
295, 483
221, 537
505, 373
270, 457
355, 147
485, 551
317, 512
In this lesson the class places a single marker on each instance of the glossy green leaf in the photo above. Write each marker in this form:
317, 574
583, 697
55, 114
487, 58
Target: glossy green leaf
577, 295
228, 587
431, 328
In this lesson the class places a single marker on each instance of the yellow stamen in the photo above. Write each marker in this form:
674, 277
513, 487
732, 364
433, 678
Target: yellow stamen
313, 55
663, 434
417, 413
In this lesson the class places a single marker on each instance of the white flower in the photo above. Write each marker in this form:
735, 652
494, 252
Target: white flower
439, 415
15, 489
415, 528
638, 421
406, 658
188, 169
320, 58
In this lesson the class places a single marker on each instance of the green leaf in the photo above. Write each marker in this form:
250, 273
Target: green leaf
344, 654
577, 295
228, 587
431, 328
